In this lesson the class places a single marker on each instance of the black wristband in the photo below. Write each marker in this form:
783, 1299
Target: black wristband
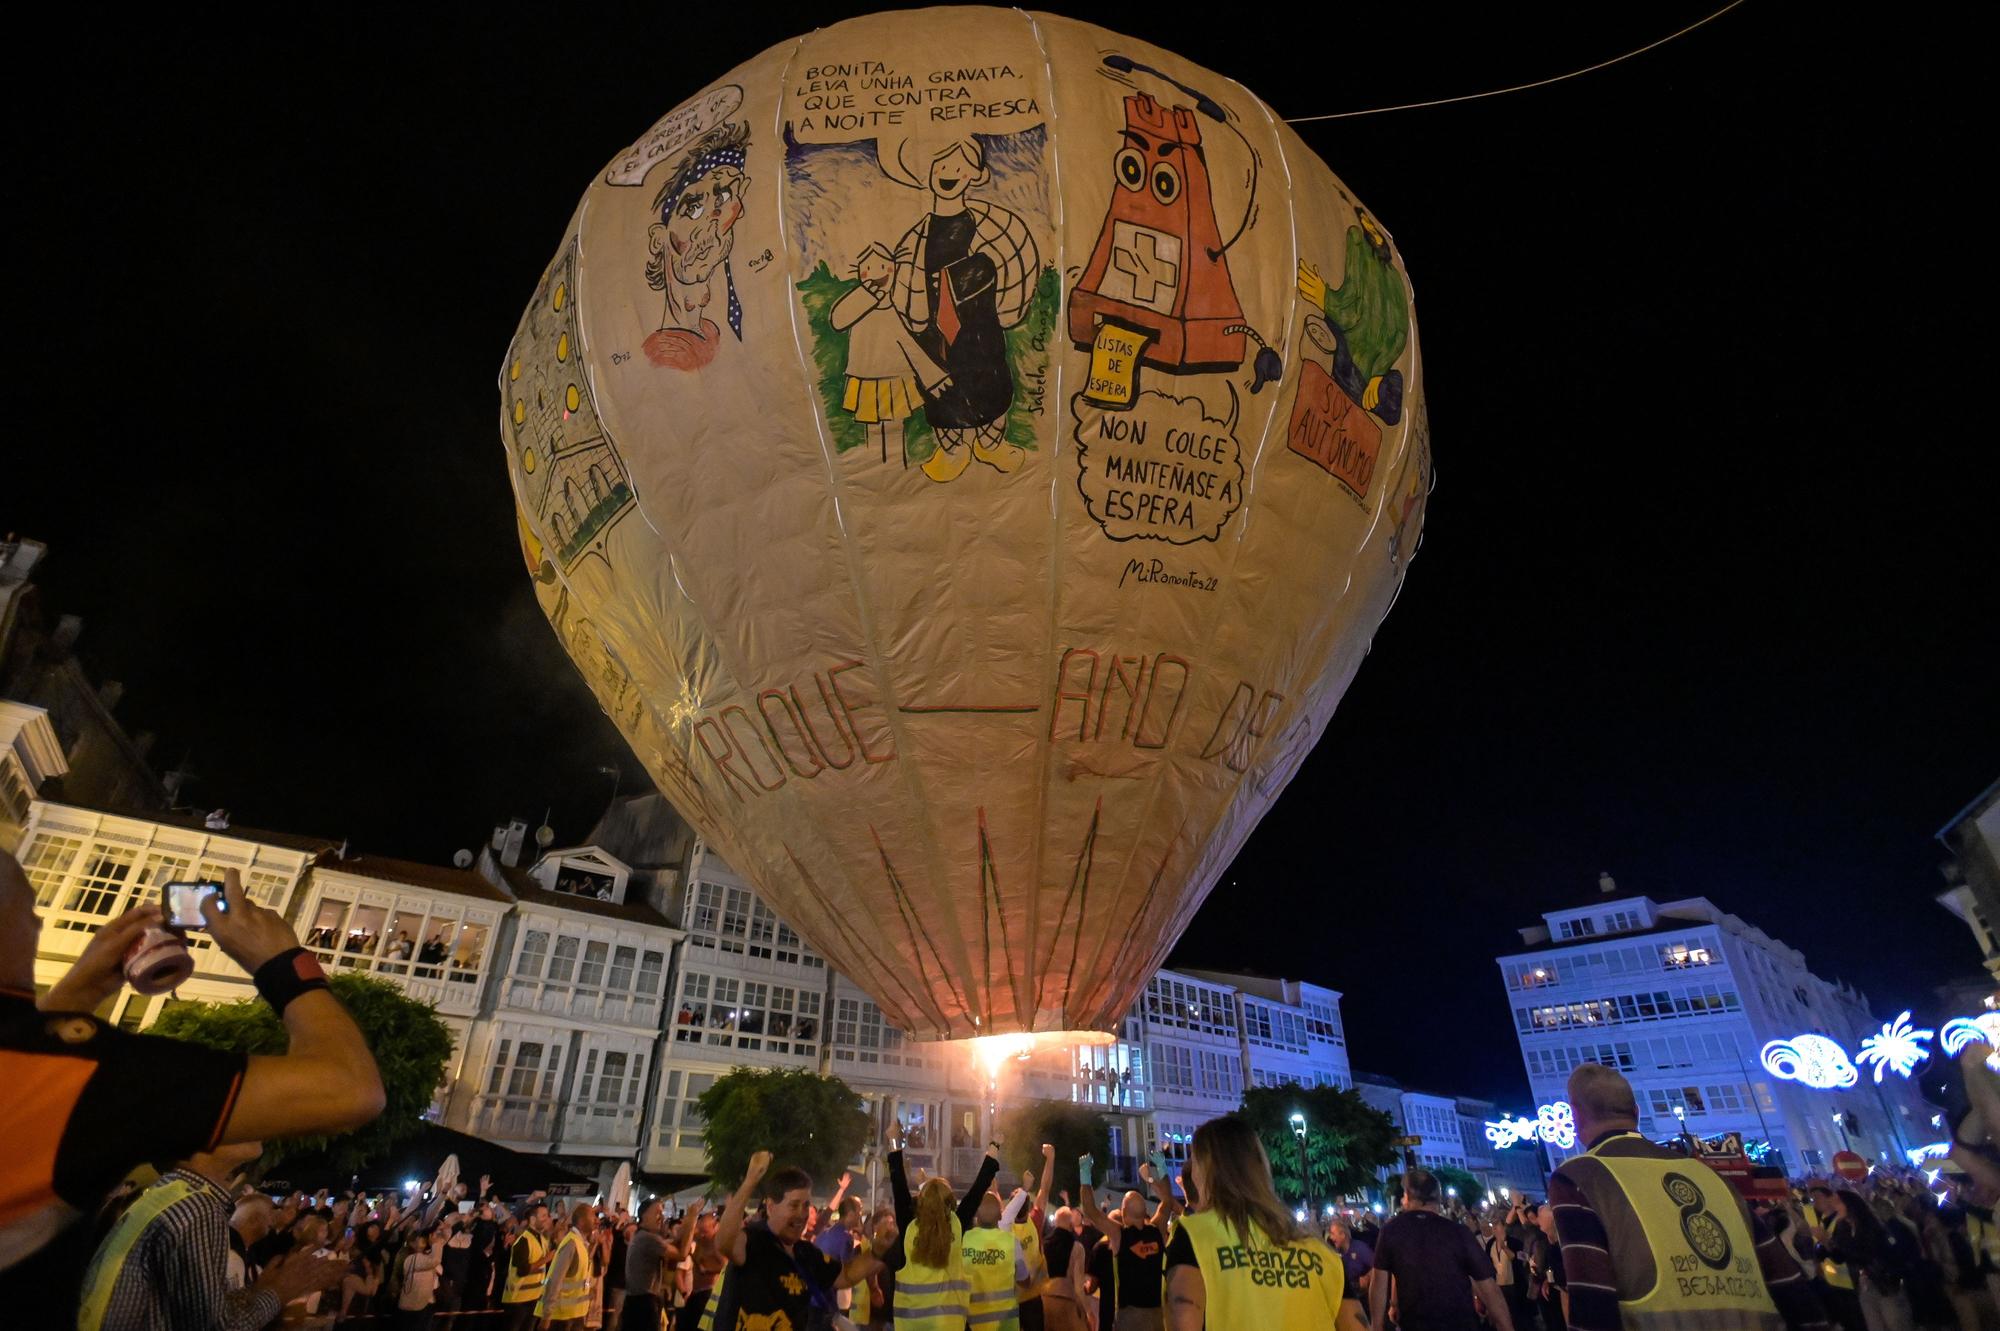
286, 976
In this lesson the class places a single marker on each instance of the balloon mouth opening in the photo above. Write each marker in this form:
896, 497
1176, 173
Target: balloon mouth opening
995, 1051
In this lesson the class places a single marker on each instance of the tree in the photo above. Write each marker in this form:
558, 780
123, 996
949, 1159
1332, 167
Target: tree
1072, 1129
815, 1123
1346, 1138
411, 1047
1450, 1177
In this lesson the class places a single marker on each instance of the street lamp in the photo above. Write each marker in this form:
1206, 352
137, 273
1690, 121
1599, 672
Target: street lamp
1305, 1178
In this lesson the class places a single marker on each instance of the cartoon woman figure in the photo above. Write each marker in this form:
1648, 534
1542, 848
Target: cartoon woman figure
888, 373
964, 275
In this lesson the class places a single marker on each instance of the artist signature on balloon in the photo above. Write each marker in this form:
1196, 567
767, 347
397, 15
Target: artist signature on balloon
1154, 570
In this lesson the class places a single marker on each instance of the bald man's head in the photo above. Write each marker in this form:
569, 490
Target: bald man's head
1602, 1101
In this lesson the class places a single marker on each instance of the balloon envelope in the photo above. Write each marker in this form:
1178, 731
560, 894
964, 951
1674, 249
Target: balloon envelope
967, 453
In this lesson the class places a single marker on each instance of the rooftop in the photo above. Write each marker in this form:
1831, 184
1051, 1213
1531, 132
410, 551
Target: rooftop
193, 821
438, 877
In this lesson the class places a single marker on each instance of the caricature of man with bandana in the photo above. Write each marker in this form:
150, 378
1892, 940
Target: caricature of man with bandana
698, 208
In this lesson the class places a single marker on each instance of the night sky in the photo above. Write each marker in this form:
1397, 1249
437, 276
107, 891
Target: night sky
1706, 597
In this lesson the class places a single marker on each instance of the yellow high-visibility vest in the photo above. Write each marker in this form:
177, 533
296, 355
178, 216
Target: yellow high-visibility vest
571, 1298
1692, 1233
102, 1277
1834, 1273
932, 1298
522, 1288
989, 1278
707, 1320
1259, 1284
1030, 1240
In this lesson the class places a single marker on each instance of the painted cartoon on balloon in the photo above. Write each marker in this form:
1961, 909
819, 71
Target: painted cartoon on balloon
1160, 267
964, 275
1362, 327
573, 485
698, 205
986, 733
1364, 323
1157, 292
889, 374
936, 335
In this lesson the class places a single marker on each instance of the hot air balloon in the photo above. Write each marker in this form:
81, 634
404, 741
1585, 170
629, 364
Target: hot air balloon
968, 453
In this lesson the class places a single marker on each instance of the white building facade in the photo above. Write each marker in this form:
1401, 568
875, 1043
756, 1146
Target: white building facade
1682, 997
87, 867
591, 1004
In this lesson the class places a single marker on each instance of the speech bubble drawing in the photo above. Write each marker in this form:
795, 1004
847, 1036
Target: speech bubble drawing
1160, 470
673, 132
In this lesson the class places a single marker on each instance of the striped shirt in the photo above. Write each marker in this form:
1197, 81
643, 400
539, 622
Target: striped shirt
1593, 1276
176, 1277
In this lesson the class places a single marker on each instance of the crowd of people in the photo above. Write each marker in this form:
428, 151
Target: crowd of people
128, 1201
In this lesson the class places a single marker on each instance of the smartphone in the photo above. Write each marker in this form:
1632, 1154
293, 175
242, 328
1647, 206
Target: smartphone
182, 903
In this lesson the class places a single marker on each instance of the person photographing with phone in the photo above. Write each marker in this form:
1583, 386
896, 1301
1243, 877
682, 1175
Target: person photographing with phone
70, 1123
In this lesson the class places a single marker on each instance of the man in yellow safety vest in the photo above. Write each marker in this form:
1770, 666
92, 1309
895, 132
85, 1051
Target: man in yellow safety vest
994, 1264
1654, 1238
565, 1300
527, 1268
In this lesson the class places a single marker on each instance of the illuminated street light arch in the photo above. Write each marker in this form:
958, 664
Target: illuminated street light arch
1898, 1048
1962, 1031
1810, 1060
1510, 1130
1556, 1125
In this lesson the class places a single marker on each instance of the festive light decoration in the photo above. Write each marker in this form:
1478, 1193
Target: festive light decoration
1508, 1131
1556, 1125
1898, 1048
1810, 1060
1962, 1031
970, 550
1933, 1151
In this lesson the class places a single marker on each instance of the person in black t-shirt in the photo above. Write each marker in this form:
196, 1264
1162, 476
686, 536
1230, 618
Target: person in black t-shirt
1436, 1265
1138, 1245
773, 1273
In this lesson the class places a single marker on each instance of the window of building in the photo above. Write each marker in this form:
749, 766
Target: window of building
692, 1018
47, 863
1682, 955
100, 886
534, 951
591, 973
651, 963
14, 793
562, 961
622, 959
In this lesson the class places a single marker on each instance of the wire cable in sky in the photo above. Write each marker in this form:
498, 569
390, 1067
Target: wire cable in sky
1522, 87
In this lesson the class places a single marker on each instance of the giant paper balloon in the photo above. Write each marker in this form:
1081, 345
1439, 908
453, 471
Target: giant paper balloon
968, 453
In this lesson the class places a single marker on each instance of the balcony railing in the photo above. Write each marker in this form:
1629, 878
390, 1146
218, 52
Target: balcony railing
452, 989
556, 998
513, 1118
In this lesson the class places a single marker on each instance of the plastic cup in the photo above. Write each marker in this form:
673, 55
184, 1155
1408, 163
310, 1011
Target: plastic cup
159, 961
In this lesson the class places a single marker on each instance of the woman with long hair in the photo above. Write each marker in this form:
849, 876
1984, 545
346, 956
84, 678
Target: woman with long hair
1856, 1239
931, 1292
1241, 1232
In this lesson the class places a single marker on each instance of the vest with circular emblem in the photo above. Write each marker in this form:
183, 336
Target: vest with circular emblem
1675, 1223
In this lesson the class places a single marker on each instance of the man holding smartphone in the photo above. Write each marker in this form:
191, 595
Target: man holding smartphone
88, 1102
